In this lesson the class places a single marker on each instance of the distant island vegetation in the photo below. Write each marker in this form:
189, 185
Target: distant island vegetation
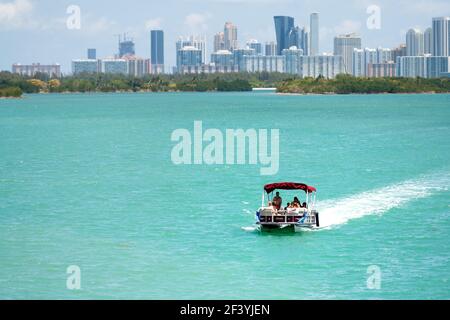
13, 85
345, 84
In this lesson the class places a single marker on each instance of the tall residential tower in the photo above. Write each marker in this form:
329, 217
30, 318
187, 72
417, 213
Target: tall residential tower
314, 34
344, 46
441, 36
157, 51
230, 36
414, 43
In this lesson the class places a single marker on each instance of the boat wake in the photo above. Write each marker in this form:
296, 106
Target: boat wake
250, 229
340, 211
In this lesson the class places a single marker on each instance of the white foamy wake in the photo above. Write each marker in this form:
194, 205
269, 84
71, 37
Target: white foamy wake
250, 229
379, 201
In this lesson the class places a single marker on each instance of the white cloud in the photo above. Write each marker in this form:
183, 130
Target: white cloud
97, 25
153, 23
19, 14
16, 14
347, 26
197, 22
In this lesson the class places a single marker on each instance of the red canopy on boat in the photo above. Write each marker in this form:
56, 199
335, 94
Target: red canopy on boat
269, 188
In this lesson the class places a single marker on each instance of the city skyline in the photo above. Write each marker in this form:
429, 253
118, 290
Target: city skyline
51, 42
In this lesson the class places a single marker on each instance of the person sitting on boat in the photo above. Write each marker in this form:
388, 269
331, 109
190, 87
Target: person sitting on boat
288, 206
305, 205
297, 202
271, 206
277, 201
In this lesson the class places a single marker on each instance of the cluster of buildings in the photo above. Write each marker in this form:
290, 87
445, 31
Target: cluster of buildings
125, 61
30, 70
289, 54
296, 51
425, 54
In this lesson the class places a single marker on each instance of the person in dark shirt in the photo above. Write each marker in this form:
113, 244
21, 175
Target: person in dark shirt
277, 201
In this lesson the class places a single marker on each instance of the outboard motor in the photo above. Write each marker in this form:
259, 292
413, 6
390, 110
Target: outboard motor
316, 214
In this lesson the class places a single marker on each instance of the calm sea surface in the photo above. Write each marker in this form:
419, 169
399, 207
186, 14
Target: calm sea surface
88, 180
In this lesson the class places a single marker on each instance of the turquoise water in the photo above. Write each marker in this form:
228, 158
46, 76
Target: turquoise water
87, 180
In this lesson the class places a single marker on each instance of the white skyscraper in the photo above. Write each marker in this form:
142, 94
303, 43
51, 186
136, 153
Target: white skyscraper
344, 46
422, 66
294, 60
327, 66
314, 34
441, 36
230, 36
384, 55
364, 59
219, 41
414, 43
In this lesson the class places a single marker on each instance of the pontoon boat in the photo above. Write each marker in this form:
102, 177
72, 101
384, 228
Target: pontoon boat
296, 219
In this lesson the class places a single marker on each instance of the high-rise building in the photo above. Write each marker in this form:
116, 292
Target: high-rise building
384, 55
138, 67
238, 56
255, 45
400, 51
198, 42
381, 70
187, 57
157, 51
85, 66
314, 34
92, 54
52, 70
230, 36
411, 67
436, 66
126, 47
363, 58
294, 62
223, 58
441, 36
264, 63
283, 27
327, 66
414, 43
423, 66
358, 64
303, 42
298, 37
270, 49
344, 46
428, 41
114, 66
219, 41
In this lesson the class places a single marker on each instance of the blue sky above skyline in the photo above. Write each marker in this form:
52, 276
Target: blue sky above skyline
36, 31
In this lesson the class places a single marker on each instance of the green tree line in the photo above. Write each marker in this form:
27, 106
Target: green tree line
345, 84
158, 83
13, 85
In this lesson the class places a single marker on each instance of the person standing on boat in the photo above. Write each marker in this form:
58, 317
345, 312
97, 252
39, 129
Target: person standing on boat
277, 201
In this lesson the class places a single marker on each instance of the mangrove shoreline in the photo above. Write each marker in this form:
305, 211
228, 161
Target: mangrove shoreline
14, 86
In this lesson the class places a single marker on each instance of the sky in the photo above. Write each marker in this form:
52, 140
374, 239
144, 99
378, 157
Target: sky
37, 30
